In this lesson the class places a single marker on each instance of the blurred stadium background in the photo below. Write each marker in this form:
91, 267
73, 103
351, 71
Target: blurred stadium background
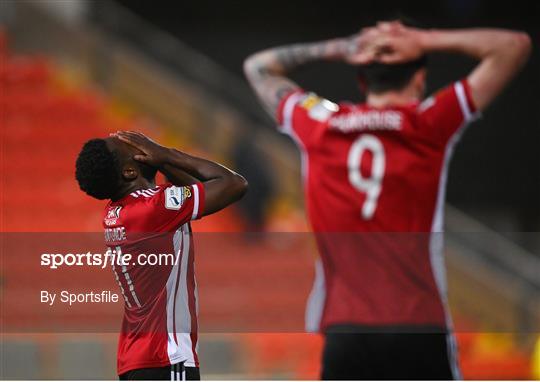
74, 69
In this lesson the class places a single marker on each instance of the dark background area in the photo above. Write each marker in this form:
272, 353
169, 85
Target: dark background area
496, 167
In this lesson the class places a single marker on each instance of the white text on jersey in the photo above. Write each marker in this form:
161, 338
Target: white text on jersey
367, 120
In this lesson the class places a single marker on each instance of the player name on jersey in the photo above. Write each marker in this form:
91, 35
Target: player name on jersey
115, 235
367, 120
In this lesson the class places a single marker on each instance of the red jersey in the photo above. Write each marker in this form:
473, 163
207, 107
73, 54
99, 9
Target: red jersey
374, 183
159, 327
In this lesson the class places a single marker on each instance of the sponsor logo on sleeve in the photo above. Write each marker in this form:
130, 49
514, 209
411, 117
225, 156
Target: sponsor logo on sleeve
175, 197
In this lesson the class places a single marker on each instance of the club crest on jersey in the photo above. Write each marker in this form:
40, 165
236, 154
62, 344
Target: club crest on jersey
318, 108
113, 214
175, 197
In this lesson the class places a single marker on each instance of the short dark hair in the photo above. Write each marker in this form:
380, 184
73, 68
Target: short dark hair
97, 170
379, 78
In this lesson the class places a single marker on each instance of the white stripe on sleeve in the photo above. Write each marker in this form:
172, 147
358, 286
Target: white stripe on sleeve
288, 109
463, 104
195, 202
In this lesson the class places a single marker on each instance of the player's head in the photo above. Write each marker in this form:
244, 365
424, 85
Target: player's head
105, 168
378, 78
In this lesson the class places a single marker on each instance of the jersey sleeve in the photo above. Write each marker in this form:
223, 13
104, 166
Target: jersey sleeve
447, 111
300, 113
176, 205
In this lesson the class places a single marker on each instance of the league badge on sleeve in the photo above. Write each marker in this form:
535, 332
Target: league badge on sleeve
318, 108
175, 196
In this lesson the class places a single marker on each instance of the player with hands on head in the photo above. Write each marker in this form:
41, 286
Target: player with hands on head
378, 169
222, 186
159, 335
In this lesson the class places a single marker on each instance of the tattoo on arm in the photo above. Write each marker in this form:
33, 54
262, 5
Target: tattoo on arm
266, 71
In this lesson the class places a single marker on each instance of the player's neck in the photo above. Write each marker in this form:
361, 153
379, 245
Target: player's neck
140, 184
402, 97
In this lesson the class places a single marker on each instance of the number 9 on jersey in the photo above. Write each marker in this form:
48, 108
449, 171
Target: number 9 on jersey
371, 185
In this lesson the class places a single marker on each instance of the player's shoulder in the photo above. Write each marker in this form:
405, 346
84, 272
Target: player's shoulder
145, 194
141, 200
154, 209
444, 98
317, 108
172, 197
137, 200
449, 102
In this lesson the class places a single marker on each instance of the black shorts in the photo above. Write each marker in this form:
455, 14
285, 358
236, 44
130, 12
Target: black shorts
176, 372
356, 352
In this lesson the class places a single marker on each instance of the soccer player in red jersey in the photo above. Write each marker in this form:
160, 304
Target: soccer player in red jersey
374, 177
158, 340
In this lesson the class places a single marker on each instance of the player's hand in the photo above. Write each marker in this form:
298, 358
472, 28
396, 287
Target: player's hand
153, 153
394, 43
361, 48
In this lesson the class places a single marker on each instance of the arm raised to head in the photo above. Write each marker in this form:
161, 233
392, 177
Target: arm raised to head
501, 53
267, 70
222, 186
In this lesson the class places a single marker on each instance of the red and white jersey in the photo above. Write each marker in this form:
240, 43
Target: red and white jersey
159, 327
374, 183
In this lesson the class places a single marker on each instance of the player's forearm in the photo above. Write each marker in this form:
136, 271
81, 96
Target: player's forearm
222, 186
502, 53
478, 43
177, 176
199, 168
267, 71
283, 59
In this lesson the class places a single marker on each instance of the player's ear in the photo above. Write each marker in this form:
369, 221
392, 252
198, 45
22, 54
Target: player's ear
362, 82
419, 80
129, 172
